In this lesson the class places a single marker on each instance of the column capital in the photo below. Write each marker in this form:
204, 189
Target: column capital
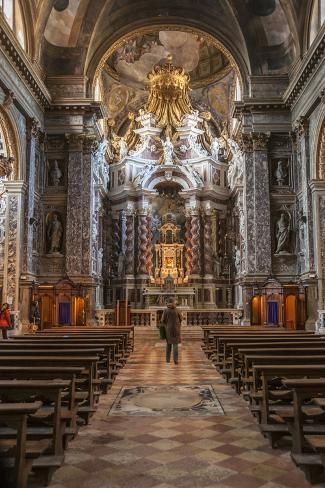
260, 141
246, 142
33, 130
301, 126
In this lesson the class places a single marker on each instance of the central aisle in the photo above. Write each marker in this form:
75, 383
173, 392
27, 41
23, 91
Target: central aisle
174, 452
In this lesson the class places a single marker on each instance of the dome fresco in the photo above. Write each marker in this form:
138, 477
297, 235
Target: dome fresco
137, 56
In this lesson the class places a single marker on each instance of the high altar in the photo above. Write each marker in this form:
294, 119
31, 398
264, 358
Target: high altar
169, 198
169, 254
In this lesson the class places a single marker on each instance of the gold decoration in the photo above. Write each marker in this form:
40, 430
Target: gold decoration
168, 96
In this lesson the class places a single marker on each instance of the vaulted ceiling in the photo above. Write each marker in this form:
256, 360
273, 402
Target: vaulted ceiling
260, 36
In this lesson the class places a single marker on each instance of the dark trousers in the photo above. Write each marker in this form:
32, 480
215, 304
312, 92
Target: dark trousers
4, 332
169, 348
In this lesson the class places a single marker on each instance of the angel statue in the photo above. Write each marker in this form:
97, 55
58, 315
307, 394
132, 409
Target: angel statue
214, 148
168, 149
123, 148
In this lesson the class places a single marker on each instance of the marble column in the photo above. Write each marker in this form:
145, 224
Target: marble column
207, 247
79, 205
129, 256
74, 239
149, 245
116, 239
188, 244
258, 254
302, 133
143, 241
33, 134
15, 191
196, 230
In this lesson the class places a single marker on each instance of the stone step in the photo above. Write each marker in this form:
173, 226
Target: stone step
151, 333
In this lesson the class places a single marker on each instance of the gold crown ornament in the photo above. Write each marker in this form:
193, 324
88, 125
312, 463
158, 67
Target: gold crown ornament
168, 95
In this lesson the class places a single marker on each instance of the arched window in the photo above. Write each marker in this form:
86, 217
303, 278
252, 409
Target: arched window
11, 9
316, 20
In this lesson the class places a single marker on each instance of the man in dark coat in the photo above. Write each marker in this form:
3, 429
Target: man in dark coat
172, 319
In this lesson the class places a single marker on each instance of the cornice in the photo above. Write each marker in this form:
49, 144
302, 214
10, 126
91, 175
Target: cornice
304, 70
22, 65
249, 105
79, 105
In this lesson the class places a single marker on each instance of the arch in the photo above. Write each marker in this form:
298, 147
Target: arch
313, 21
317, 142
94, 66
10, 142
186, 181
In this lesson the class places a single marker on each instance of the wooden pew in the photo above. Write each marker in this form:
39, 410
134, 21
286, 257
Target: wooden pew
302, 390
268, 371
51, 390
89, 363
110, 346
17, 456
52, 373
227, 346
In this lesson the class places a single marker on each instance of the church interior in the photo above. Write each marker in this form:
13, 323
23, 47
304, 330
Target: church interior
162, 180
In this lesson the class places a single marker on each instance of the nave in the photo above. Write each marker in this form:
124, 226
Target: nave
223, 451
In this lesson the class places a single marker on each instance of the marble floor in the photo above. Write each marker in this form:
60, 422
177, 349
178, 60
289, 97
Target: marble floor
225, 451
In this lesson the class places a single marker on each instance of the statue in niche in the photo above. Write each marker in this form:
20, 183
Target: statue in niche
216, 265
283, 235
215, 148
281, 173
123, 148
237, 259
55, 174
302, 233
100, 260
54, 234
236, 165
168, 150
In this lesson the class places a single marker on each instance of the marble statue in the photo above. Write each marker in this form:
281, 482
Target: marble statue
281, 173
168, 149
101, 150
237, 259
55, 174
123, 148
282, 235
215, 147
216, 265
100, 260
236, 165
54, 235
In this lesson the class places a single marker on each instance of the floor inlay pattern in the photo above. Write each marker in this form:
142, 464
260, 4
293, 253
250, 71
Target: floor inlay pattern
173, 400
222, 451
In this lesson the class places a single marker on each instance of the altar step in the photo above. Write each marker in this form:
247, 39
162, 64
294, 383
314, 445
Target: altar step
189, 333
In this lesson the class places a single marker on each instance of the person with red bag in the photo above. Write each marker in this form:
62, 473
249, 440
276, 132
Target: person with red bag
5, 320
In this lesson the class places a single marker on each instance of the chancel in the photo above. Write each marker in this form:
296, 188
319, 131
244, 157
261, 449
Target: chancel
162, 243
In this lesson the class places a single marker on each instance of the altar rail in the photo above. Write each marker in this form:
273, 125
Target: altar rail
151, 317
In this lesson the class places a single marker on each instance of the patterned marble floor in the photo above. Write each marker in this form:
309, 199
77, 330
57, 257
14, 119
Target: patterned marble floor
174, 452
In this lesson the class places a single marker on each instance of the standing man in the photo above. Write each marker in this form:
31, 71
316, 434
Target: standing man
171, 320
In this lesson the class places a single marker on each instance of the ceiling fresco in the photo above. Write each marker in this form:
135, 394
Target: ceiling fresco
120, 98
134, 59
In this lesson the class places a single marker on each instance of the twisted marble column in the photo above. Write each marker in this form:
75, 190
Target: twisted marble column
129, 254
208, 245
149, 244
188, 244
196, 265
115, 245
143, 244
